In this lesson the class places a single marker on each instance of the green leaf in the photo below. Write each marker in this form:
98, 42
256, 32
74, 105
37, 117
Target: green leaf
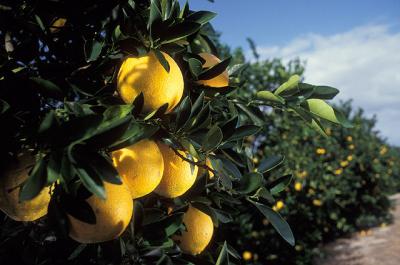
104, 168
93, 50
4, 106
195, 66
77, 206
322, 92
183, 112
223, 257
157, 113
215, 70
270, 163
77, 251
36, 181
280, 225
244, 131
48, 122
179, 31
289, 87
311, 121
250, 182
138, 104
198, 105
230, 168
324, 110
108, 132
54, 167
91, 182
48, 88
155, 13
213, 139
40, 23
228, 128
134, 134
236, 69
269, 96
280, 184
265, 194
201, 17
163, 61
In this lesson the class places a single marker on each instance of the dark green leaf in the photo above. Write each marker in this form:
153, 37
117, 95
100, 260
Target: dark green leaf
195, 66
198, 105
201, 17
93, 50
228, 128
104, 168
215, 70
134, 134
163, 61
250, 182
4, 106
280, 184
223, 257
183, 112
77, 251
138, 104
280, 225
213, 139
48, 122
244, 131
270, 163
92, 182
179, 31
35, 182
48, 88
54, 167
40, 23
322, 92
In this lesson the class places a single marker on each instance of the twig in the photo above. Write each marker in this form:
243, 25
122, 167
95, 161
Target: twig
199, 163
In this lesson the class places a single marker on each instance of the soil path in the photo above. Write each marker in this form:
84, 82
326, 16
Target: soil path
380, 245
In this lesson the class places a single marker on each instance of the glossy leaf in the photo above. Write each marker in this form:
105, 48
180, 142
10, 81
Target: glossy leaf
280, 225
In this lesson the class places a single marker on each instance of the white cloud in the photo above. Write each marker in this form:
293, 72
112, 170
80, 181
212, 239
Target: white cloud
364, 63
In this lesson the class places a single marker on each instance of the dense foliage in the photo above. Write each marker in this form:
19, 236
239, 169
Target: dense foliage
59, 67
340, 184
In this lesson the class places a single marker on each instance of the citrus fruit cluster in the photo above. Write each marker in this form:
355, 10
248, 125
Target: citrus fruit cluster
146, 166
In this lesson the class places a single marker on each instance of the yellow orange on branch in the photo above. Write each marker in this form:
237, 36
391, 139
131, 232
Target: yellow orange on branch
147, 75
11, 180
112, 216
141, 166
179, 175
198, 233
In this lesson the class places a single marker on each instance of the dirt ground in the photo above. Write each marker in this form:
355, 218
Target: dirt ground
380, 245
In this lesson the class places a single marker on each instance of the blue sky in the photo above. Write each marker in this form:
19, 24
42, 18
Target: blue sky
353, 45
277, 22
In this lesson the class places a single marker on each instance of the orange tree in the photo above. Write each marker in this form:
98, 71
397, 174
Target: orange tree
340, 184
123, 137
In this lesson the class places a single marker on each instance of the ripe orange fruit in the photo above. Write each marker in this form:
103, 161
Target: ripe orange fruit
11, 180
147, 75
199, 231
141, 166
112, 216
179, 175
221, 80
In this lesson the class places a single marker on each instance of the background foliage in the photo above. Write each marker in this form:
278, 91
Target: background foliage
340, 184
